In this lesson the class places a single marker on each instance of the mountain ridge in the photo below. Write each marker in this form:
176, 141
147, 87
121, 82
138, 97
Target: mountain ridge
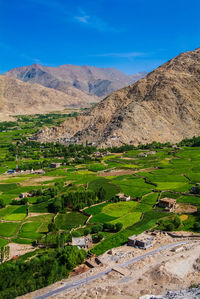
163, 106
18, 97
89, 79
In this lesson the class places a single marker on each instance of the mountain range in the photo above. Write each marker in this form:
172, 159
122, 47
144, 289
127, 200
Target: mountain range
17, 97
90, 80
41, 89
163, 106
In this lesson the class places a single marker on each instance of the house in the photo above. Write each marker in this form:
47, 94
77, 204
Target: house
39, 171
168, 203
11, 171
123, 197
151, 153
142, 241
55, 165
25, 194
142, 155
82, 242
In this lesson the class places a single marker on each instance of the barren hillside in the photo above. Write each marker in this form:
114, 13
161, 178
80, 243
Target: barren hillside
163, 106
88, 79
17, 97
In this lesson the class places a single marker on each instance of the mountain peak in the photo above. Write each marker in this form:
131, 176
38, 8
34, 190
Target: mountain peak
90, 80
164, 106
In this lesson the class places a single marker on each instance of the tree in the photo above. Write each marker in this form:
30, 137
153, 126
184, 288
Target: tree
108, 227
87, 231
2, 203
177, 221
56, 206
101, 194
96, 238
197, 226
52, 227
170, 227
118, 226
97, 228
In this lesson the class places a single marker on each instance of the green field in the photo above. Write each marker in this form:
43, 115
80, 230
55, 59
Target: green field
165, 174
8, 229
70, 220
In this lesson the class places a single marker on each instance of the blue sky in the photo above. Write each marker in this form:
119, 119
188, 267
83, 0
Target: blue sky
130, 35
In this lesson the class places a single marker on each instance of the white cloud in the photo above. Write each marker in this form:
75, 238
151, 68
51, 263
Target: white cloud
122, 55
82, 19
93, 22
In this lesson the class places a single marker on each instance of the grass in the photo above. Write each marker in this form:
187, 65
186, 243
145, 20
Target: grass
15, 217
128, 219
44, 221
8, 229
7, 187
135, 187
96, 167
123, 212
148, 221
70, 220
120, 208
40, 208
8, 210
3, 242
13, 213
102, 218
29, 230
147, 202
22, 241
110, 188
195, 200
169, 177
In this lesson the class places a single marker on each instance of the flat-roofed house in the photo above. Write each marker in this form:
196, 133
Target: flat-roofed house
142, 155
82, 242
142, 241
168, 203
55, 165
123, 197
25, 194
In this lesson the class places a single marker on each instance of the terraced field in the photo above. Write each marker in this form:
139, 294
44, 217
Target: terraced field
165, 173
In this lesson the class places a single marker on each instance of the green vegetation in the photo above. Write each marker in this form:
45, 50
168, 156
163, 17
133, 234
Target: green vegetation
60, 200
19, 277
70, 220
8, 229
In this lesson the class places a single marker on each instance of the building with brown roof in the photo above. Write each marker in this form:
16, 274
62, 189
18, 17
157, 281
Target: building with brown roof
169, 204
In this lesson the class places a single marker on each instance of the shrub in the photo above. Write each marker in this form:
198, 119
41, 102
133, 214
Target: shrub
2, 203
118, 226
169, 227
96, 238
197, 226
97, 228
108, 227
52, 227
76, 234
87, 231
177, 221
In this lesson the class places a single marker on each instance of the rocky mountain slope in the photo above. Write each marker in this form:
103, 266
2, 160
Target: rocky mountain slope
90, 80
163, 106
17, 97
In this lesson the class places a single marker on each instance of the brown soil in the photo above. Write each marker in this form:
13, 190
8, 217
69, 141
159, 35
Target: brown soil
37, 214
37, 181
168, 270
185, 208
116, 173
19, 249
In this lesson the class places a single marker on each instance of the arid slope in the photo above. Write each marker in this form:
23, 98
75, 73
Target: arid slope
17, 97
90, 80
163, 106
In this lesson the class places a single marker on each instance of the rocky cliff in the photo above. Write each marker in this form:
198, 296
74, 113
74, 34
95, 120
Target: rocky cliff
163, 106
